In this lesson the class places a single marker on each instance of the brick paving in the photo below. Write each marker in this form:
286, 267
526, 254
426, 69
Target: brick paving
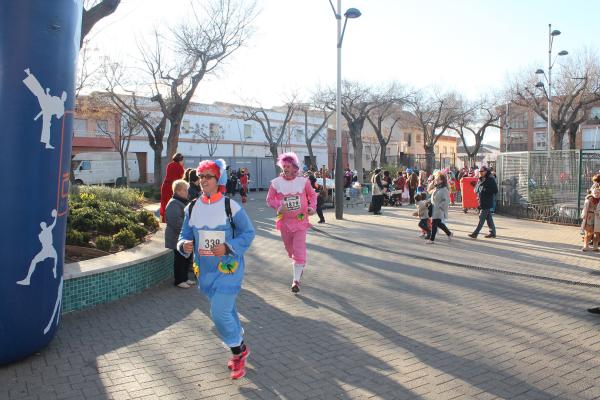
378, 317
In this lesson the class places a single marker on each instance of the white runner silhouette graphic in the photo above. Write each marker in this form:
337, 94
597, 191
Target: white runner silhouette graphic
50, 105
57, 305
48, 250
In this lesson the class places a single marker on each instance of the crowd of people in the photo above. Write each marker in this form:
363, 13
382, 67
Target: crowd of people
211, 240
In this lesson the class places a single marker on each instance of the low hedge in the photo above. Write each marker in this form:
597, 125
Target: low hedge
110, 218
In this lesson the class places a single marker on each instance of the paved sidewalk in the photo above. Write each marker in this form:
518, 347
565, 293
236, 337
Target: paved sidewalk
378, 317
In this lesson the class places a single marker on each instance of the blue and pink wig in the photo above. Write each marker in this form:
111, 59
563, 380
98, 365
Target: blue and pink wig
216, 168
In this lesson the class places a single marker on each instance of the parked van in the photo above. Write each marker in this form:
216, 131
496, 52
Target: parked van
103, 168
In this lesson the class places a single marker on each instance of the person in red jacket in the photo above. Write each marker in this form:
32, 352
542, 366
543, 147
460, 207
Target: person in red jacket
244, 178
174, 171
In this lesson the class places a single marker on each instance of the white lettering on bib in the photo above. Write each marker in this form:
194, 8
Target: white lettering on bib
210, 240
292, 202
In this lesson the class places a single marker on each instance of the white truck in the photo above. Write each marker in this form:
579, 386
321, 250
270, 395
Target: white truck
103, 168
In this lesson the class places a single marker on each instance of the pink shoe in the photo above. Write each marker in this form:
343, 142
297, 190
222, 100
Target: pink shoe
238, 367
243, 354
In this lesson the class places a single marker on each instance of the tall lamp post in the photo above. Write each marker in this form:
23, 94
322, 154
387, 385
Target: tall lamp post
339, 170
540, 72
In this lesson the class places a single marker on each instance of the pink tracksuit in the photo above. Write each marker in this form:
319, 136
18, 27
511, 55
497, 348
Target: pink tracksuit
299, 196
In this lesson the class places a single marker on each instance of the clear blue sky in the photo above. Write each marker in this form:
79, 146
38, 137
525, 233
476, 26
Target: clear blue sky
466, 45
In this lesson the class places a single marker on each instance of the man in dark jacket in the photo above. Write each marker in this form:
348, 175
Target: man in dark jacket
486, 190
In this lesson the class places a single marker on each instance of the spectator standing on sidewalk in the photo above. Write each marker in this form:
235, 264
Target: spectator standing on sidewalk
440, 199
174, 214
174, 171
377, 198
486, 190
413, 184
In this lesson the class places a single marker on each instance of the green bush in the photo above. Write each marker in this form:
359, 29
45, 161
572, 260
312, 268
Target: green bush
125, 238
148, 219
75, 238
151, 193
139, 231
84, 219
542, 196
124, 196
104, 243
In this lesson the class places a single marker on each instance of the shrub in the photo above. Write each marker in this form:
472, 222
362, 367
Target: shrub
148, 219
104, 243
542, 196
139, 231
124, 196
84, 219
74, 237
125, 238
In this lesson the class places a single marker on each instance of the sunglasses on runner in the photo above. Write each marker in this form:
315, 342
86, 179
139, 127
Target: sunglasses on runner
206, 176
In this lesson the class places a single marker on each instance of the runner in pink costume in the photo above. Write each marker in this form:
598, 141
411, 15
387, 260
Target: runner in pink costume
294, 199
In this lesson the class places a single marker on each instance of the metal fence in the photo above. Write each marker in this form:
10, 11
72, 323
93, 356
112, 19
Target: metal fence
545, 186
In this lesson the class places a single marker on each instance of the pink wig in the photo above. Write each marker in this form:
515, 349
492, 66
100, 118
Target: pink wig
288, 158
214, 168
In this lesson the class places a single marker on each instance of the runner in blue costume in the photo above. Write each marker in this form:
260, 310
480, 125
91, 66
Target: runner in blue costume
218, 231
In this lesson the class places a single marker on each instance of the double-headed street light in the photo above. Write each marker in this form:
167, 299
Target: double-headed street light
540, 72
339, 170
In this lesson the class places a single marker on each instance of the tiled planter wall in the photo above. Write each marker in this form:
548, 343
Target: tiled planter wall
94, 289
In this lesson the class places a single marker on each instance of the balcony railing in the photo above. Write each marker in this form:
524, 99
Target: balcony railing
90, 134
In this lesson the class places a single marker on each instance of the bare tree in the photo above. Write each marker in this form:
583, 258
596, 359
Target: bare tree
575, 87
94, 11
356, 105
87, 73
273, 134
199, 48
211, 135
128, 128
434, 113
373, 146
474, 119
136, 108
310, 136
387, 108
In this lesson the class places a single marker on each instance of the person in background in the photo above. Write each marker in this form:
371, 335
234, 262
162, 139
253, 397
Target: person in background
377, 187
440, 199
423, 214
590, 217
244, 179
486, 190
174, 214
399, 184
413, 184
194, 190
174, 171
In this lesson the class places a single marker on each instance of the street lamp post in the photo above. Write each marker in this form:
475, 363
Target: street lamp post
339, 170
551, 35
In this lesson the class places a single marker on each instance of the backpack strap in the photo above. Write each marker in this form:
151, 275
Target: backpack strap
227, 212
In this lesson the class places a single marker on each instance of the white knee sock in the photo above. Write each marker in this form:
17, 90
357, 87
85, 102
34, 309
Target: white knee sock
298, 269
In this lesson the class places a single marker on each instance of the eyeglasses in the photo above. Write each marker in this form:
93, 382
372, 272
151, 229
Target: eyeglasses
207, 176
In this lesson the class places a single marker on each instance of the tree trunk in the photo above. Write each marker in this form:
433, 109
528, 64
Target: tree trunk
275, 153
382, 154
173, 138
429, 159
311, 155
573, 136
158, 167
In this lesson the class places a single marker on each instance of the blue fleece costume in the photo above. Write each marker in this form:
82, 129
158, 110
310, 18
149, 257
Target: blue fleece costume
220, 279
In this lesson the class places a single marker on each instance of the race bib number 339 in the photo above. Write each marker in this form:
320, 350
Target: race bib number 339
292, 202
210, 240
